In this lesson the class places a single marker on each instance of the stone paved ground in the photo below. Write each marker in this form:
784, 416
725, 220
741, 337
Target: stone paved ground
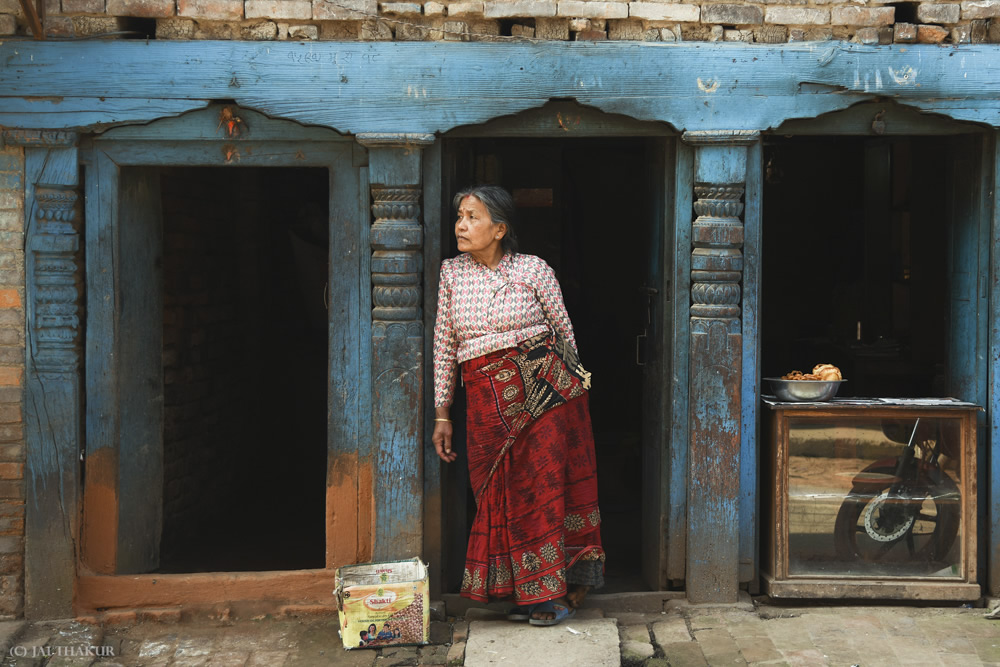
681, 635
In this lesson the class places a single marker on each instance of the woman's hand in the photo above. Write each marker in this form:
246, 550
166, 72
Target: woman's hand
442, 437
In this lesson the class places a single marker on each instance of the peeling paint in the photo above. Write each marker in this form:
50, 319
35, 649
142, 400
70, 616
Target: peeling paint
99, 534
904, 76
346, 532
708, 86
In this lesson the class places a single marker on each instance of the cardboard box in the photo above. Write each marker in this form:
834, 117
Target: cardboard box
383, 604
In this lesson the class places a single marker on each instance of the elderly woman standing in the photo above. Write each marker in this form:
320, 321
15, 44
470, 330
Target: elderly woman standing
536, 536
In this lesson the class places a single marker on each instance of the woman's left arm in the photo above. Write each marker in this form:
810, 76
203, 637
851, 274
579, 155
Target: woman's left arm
551, 299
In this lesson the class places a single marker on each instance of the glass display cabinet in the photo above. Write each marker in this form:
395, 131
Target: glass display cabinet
870, 498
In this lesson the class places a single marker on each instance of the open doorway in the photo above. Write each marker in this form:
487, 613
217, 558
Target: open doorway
244, 368
856, 266
587, 207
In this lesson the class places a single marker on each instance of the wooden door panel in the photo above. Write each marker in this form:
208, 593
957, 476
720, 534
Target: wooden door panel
139, 341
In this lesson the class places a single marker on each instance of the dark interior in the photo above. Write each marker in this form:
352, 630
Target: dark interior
245, 366
585, 206
855, 263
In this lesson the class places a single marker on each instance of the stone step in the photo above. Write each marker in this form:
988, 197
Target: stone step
588, 641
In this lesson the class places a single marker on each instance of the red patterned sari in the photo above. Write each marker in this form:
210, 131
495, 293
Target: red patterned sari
533, 470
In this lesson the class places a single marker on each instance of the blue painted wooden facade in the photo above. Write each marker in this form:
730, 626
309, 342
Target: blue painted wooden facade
375, 115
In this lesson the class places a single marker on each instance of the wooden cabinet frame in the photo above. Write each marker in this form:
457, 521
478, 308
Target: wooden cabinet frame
779, 582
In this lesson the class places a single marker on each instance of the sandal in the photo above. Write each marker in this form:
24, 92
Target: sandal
520, 612
562, 612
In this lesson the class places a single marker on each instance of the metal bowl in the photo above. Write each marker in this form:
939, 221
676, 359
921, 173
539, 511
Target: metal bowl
804, 390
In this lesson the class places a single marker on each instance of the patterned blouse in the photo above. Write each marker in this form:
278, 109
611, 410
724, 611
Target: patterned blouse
481, 310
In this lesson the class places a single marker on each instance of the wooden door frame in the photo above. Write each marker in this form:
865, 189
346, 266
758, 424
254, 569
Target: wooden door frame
195, 140
889, 118
567, 119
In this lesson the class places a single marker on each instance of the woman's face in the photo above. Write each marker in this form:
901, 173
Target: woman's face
474, 229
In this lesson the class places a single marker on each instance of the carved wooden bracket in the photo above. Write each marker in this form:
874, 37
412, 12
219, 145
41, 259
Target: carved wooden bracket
54, 281
397, 240
717, 230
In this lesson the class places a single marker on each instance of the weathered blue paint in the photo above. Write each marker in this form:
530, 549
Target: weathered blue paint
52, 391
680, 299
716, 349
424, 87
750, 389
366, 446
966, 353
397, 343
969, 228
985, 204
91, 111
656, 405
196, 143
101, 418
139, 308
992, 449
434, 507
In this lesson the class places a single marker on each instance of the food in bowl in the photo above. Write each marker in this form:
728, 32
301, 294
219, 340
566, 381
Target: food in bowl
819, 385
827, 372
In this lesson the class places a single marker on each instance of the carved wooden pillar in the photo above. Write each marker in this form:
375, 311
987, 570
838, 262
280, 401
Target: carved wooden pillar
715, 364
52, 382
397, 241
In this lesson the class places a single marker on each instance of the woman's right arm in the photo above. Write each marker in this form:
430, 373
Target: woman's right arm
445, 367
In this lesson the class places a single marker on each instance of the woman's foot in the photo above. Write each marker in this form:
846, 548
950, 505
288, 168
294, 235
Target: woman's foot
520, 612
551, 612
576, 594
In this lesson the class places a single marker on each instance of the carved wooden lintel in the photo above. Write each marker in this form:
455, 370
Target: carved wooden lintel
40, 138
721, 137
394, 139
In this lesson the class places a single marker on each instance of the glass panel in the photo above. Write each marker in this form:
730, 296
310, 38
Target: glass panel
875, 497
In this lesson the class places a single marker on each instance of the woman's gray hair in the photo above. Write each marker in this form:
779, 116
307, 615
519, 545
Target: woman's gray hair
500, 204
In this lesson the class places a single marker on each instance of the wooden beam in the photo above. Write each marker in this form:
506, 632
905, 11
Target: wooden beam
34, 17
167, 590
425, 87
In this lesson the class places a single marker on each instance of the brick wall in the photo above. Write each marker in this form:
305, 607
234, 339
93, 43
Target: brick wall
775, 21
11, 380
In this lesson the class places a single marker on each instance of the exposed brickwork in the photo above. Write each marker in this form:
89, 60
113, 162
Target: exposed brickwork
943, 12
84, 7
863, 16
278, 9
343, 9
981, 9
655, 11
732, 14
12, 336
593, 10
509, 8
557, 20
931, 34
142, 8
219, 10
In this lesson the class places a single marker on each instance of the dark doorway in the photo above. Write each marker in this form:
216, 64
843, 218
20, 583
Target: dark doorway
245, 368
586, 206
855, 265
